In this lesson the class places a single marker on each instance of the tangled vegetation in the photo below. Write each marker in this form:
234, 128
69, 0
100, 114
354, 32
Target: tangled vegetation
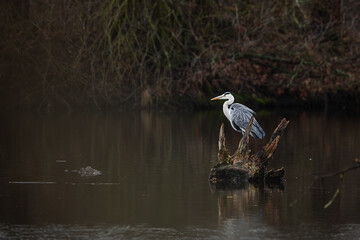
113, 53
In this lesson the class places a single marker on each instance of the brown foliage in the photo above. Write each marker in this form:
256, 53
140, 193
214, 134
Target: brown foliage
108, 53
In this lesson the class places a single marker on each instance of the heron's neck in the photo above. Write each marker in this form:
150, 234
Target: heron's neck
226, 106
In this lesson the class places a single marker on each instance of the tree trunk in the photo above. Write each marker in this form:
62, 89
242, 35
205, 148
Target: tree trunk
244, 167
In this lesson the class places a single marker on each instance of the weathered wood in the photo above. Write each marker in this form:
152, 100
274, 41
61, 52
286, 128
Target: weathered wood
274, 175
223, 154
244, 167
243, 152
261, 158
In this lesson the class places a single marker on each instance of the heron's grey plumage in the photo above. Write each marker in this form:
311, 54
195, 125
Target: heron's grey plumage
239, 116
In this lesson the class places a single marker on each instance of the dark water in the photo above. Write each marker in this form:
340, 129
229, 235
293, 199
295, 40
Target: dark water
154, 178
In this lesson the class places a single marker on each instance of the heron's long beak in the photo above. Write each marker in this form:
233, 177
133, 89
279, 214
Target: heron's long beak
216, 98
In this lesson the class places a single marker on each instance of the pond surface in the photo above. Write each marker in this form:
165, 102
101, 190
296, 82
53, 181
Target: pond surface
153, 183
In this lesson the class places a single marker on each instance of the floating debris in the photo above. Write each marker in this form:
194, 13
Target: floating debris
60, 161
88, 172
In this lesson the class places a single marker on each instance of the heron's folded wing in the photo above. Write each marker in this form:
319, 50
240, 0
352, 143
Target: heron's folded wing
241, 116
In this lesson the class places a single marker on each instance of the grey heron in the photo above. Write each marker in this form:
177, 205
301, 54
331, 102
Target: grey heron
239, 116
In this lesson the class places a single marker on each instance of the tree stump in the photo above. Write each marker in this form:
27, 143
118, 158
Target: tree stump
232, 171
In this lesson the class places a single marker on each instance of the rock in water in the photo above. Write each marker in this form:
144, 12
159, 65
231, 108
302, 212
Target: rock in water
88, 172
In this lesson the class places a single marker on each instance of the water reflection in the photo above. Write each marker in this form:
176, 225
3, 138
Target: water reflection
154, 177
243, 203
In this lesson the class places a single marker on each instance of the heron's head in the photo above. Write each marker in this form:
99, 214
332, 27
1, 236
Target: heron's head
223, 96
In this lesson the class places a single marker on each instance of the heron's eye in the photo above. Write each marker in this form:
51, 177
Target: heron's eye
227, 93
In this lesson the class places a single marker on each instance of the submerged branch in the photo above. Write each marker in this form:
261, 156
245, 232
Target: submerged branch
339, 172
